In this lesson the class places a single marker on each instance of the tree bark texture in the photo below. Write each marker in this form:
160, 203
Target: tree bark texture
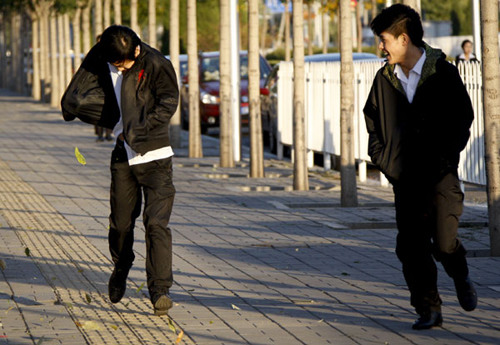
300, 171
226, 138
195, 148
256, 144
491, 102
348, 195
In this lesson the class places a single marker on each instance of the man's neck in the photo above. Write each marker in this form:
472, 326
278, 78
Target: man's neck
412, 56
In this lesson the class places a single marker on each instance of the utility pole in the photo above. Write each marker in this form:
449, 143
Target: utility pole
491, 102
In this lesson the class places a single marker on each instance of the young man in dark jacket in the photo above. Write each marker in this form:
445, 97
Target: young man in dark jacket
418, 116
125, 85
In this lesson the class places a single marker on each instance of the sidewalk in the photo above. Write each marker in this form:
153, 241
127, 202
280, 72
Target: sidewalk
254, 262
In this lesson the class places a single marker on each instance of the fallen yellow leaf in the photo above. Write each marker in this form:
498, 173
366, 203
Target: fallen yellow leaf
79, 157
179, 337
172, 326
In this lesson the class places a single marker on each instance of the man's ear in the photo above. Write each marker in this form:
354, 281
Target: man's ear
405, 39
137, 51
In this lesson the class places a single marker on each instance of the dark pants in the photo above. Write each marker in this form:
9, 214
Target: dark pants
128, 184
427, 217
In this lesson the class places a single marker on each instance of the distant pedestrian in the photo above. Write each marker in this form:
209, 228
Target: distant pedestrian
418, 115
467, 55
126, 85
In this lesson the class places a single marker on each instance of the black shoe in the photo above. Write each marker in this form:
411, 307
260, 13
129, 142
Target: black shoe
428, 320
466, 294
161, 303
117, 284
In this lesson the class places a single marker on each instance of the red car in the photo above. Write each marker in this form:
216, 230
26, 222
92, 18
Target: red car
210, 87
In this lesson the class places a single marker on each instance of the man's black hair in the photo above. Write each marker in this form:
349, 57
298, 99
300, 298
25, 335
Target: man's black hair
399, 19
118, 43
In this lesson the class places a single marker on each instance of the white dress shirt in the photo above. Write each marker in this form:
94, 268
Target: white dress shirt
410, 83
133, 157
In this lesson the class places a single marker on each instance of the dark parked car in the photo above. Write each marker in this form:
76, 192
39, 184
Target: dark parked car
210, 87
183, 62
269, 95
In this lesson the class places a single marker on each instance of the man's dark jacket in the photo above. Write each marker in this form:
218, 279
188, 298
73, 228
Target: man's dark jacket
421, 140
149, 98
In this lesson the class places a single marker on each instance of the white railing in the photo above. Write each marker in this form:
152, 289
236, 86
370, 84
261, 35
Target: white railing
322, 110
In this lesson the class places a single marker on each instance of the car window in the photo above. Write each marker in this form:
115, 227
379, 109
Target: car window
210, 68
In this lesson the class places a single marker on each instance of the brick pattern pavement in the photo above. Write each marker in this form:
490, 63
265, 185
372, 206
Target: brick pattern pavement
254, 263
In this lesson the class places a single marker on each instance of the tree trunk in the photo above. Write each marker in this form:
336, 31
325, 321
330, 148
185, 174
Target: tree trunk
374, 14
77, 44
326, 33
35, 43
195, 148
3, 50
117, 11
134, 24
415, 4
226, 138
16, 56
491, 90
287, 31
175, 122
67, 51
54, 73
60, 56
263, 28
86, 27
348, 196
256, 145
310, 27
152, 23
45, 83
300, 173
359, 26
107, 13
97, 18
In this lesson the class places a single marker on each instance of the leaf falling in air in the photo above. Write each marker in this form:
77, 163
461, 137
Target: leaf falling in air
179, 337
79, 157
27, 252
172, 326
3, 265
88, 298
140, 287
235, 307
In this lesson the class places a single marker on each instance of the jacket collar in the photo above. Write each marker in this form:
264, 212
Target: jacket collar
428, 69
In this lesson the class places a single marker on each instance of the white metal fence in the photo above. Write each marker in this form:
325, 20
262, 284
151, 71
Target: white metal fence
322, 111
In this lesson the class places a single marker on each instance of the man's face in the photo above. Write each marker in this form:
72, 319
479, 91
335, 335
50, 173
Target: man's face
393, 48
124, 65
